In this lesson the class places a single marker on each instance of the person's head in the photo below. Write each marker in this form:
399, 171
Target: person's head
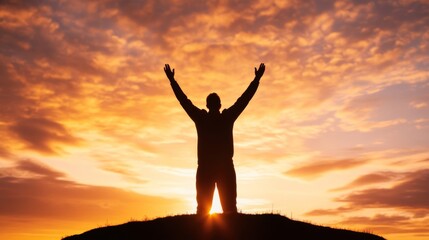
213, 102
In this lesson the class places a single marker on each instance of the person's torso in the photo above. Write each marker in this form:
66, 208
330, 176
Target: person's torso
215, 137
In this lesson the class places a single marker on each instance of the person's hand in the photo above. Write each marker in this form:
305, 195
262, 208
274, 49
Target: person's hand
258, 72
168, 72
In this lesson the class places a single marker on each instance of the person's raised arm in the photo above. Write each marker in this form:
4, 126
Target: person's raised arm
245, 98
190, 109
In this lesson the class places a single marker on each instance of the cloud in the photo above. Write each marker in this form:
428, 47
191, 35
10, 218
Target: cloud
38, 170
32, 190
368, 179
418, 105
404, 205
361, 113
4, 152
117, 165
319, 167
127, 38
408, 193
378, 219
328, 212
388, 225
411, 194
43, 135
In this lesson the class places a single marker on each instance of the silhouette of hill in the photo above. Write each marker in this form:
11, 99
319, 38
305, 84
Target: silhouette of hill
222, 226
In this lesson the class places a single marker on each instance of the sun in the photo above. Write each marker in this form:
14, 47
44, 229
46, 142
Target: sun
216, 206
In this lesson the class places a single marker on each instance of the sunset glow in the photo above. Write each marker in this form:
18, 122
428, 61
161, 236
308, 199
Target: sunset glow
92, 134
216, 206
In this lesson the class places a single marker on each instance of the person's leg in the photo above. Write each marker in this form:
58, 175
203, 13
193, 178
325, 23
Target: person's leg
205, 188
227, 188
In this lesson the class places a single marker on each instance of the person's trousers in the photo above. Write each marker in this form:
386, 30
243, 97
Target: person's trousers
208, 177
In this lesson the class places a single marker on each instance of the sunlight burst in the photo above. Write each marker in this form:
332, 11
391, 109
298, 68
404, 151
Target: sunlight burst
216, 206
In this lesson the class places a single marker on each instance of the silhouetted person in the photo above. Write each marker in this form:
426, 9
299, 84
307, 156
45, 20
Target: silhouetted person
215, 143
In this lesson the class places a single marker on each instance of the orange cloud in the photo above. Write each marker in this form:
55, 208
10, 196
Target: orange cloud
32, 191
44, 192
329, 212
42, 134
319, 167
372, 178
406, 201
378, 219
411, 194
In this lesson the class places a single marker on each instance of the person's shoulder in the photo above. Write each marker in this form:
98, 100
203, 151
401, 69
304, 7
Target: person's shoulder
202, 112
199, 115
226, 112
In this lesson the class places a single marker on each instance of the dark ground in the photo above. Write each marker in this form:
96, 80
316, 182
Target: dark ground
222, 226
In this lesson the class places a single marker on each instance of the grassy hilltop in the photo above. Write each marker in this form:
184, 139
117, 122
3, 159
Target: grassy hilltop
222, 226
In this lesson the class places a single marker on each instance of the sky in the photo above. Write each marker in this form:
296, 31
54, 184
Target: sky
92, 134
